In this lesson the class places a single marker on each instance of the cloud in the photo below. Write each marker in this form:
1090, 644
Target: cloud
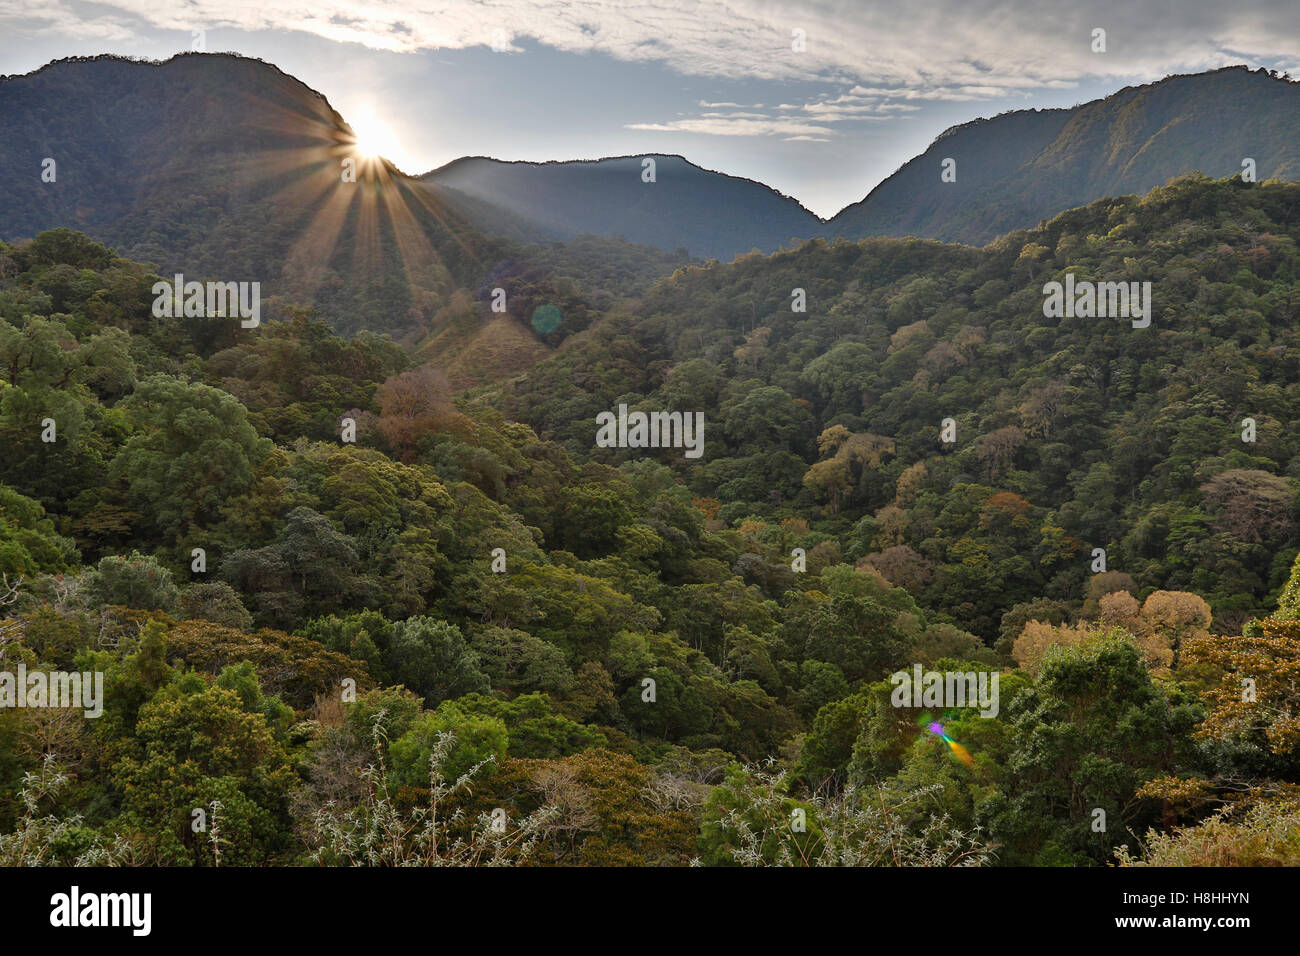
952, 50
793, 122
55, 17
734, 115
728, 126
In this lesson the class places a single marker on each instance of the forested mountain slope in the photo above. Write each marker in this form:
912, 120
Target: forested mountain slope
1011, 172
1086, 432
1022, 167
297, 560
711, 214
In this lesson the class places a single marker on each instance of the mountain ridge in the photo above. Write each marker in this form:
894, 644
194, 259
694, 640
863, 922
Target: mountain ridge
229, 166
601, 159
1066, 137
1038, 133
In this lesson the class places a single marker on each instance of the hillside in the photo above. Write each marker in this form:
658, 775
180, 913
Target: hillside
1108, 436
1019, 168
712, 214
1013, 171
219, 166
626, 644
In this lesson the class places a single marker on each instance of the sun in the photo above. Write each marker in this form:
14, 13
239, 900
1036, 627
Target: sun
375, 138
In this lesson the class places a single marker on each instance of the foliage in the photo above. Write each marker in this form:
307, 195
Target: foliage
602, 631
1267, 834
753, 823
377, 834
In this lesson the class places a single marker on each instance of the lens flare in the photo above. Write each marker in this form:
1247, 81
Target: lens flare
547, 318
960, 752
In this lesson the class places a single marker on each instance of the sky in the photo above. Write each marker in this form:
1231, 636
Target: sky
819, 100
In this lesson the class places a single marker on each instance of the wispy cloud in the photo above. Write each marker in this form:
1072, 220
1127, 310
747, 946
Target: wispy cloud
56, 17
793, 122
738, 126
953, 49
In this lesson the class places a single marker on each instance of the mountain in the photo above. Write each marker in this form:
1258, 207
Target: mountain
1020, 168
712, 214
1013, 171
1118, 433
223, 167
916, 473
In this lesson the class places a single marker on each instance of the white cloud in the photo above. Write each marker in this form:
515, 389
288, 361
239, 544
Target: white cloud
722, 126
953, 50
55, 17
787, 117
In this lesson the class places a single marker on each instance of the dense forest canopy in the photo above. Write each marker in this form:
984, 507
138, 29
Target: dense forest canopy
643, 658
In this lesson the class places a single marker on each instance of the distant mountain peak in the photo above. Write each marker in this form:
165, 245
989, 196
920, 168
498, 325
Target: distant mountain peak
1021, 167
221, 162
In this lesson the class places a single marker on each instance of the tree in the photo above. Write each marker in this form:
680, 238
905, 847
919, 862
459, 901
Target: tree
193, 449
535, 730
1177, 616
606, 814
434, 660
1288, 605
750, 820
1121, 609
997, 450
767, 417
755, 347
1090, 731
1250, 505
28, 542
859, 635
311, 567
135, 581
516, 661
215, 601
413, 404
377, 833
901, 566
479, 744
198, 744
289, 666
830, 480
1037, 638
1253, 691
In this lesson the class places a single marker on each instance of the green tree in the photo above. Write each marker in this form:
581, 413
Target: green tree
1087, 735
197, 744
135, 581
193, 449
433, 659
